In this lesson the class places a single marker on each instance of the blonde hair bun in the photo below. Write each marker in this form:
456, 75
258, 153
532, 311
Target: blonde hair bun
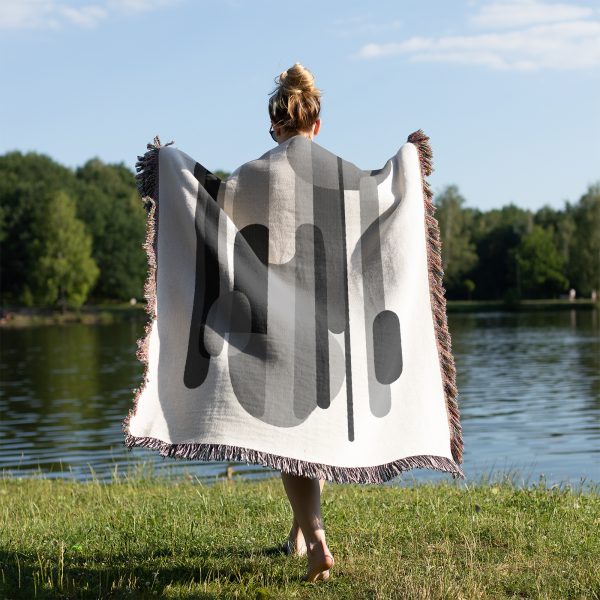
295, 103
298, 80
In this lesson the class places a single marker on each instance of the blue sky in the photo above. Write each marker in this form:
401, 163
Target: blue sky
507, 90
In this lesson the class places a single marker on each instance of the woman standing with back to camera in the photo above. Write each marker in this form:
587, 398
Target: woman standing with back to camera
298, 316
294, 108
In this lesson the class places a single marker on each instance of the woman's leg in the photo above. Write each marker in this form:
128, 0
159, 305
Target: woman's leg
296, 541
304, 495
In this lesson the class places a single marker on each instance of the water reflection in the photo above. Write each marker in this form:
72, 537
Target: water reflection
529, 388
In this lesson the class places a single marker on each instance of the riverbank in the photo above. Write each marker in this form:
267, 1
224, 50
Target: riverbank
111, 313
523, 305
151, 537
95, 314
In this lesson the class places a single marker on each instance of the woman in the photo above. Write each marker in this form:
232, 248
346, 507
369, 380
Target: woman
297, 316
294, 109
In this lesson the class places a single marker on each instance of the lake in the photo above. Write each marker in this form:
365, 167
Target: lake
529, 395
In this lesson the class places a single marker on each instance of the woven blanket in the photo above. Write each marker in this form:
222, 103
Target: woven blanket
297, 317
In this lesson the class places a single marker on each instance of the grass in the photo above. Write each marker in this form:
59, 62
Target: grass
117, 312
525, 305
88, 314
148, 536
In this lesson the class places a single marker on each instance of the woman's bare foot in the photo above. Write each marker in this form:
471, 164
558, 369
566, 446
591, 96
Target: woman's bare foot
320, 560
295, 544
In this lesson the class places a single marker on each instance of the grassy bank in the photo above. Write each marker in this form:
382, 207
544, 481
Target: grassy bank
111, 313
88, 314
145, 537
523, 305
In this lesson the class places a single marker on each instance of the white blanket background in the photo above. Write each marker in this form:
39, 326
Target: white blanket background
297, 317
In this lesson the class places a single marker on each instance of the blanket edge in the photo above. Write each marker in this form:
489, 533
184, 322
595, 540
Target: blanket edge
147, 187
438, 299
337, 474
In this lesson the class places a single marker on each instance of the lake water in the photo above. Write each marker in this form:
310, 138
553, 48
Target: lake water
529, 395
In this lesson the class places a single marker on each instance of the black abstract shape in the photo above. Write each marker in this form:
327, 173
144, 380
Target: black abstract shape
322, 381
206, 290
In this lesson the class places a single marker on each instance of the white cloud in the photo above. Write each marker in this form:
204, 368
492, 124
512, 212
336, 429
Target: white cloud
138, 5
55, 14
556, 39
47, 14
86, 16
519, 13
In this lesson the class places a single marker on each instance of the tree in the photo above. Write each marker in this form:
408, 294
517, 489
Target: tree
65, 270
562, 226
500, 253
458, 251
110, 206
222, 175
584, 251
26, 183
540, 265
497, 232
469, 286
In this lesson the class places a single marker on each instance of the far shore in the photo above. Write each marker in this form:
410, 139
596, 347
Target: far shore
98, 314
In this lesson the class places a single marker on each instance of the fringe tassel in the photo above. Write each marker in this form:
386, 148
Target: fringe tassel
226, 453
147, 167
438, 300
147, 185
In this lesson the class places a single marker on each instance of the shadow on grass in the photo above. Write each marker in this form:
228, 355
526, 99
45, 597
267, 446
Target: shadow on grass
25, 575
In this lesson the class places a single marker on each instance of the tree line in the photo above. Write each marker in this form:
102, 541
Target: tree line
514, 253
74, 236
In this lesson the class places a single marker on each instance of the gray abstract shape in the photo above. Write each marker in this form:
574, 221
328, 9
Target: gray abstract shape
309, 365
387, 352
279, 319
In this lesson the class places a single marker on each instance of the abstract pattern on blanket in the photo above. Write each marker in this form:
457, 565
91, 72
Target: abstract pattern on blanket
297, 315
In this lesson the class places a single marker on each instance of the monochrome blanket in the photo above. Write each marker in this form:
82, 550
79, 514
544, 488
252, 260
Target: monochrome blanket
297, 317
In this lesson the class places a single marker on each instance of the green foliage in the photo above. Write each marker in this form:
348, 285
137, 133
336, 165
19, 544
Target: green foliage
519, 253
221, 174
508, 253
65, 270
584, 245
111, 208
469, 286
540, 266
458, 250
27, 182
106, 202
497, 232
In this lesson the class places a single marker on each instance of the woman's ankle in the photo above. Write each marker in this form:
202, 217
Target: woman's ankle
316, 541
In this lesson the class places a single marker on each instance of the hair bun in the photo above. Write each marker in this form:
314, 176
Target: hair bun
295, 103
297, 80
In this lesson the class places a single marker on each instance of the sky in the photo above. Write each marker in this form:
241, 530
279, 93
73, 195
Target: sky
507, 90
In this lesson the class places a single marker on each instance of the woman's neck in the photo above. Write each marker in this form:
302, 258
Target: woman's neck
294, 134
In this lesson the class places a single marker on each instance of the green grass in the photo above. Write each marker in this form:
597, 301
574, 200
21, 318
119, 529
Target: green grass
89, 314
116, 312
148, 536
523, 305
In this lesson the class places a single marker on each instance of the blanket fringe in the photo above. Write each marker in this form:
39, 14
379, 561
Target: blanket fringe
225, 453
438, 300
147, 183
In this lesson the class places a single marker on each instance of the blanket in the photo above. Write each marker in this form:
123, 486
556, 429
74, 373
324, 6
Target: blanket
296, 315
